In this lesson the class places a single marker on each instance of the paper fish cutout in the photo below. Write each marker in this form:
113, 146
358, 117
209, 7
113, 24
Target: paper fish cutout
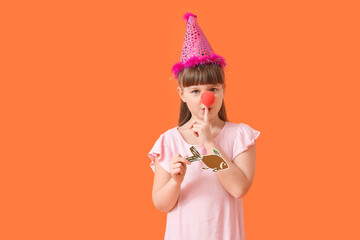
214, 162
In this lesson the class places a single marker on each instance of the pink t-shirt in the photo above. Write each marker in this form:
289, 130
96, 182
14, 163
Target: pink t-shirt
205, 210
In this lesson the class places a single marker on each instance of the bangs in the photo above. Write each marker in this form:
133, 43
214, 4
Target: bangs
201, 74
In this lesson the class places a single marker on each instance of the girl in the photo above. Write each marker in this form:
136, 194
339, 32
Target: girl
201, 203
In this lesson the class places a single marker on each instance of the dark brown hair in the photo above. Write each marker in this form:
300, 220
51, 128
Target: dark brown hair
198, 75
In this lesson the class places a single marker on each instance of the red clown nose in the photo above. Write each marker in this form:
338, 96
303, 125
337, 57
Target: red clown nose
207, 98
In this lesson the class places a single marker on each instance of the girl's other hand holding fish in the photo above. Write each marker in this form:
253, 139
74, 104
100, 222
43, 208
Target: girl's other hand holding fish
178, 168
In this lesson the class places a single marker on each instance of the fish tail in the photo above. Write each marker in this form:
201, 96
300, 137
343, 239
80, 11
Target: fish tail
195, 152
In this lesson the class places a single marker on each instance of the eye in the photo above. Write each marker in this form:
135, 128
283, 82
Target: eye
213, 89
195, 91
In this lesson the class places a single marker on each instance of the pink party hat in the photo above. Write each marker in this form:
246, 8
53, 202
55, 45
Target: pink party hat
196, 48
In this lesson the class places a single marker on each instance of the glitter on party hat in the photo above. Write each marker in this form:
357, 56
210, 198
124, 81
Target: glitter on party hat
196, 48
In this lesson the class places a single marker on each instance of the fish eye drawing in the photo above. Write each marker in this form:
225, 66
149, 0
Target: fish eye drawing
214, 162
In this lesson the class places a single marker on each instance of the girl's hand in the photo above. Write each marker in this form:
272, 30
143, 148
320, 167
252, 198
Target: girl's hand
202, 129
178, 168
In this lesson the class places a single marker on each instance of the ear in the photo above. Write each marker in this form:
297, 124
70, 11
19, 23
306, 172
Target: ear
181, 93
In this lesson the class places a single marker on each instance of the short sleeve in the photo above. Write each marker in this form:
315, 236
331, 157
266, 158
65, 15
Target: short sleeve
245, 137
160, 148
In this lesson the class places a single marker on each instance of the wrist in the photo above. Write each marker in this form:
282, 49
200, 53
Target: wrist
174, 183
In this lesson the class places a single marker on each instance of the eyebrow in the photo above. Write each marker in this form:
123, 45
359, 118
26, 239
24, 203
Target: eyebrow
212, 85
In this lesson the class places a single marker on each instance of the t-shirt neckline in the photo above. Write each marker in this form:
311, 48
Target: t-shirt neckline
182, 138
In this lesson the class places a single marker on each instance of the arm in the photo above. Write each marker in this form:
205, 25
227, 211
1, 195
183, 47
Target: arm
166, 189
236, 179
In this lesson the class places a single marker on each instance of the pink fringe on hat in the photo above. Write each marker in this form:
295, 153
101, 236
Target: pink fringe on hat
196, 48
187, 15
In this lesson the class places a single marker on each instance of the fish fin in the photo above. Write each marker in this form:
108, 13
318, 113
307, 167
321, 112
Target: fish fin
216, 152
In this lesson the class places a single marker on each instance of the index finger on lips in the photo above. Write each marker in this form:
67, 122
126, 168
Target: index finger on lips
206, 115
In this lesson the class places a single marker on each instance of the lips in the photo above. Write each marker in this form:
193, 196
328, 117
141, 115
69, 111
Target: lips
203, 109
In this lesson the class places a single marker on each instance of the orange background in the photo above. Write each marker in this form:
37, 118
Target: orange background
85, 92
